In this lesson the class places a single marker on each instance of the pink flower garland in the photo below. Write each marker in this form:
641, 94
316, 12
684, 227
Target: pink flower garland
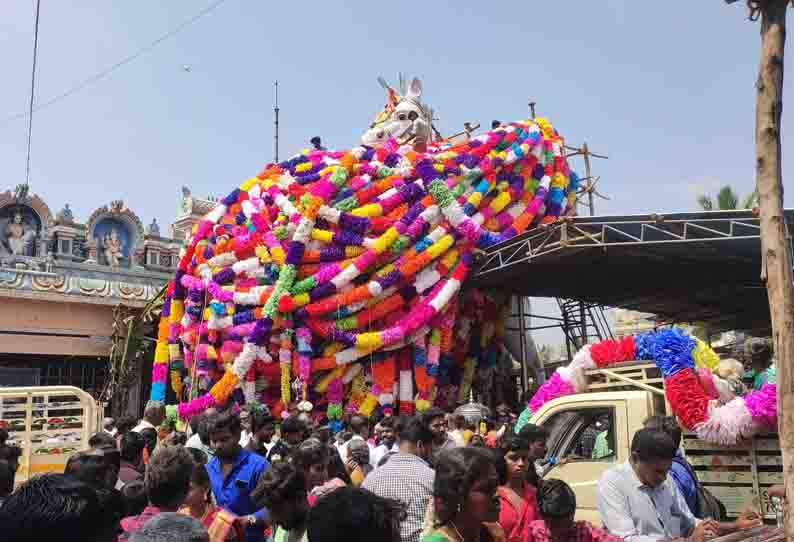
762, 405
196, 406
553, 388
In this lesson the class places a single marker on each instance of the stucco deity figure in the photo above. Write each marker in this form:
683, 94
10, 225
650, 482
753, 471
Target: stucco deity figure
18, 235
113, 248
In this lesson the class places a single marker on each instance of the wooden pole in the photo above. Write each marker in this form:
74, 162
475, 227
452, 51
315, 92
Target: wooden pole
588, 178
776, 256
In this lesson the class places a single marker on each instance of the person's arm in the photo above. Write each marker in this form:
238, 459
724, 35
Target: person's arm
615, 512
778, 491
260, 517
747, 520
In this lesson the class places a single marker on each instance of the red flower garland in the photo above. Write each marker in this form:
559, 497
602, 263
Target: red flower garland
609, 351
687, 398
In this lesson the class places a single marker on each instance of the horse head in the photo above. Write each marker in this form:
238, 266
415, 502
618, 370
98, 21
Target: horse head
405, 118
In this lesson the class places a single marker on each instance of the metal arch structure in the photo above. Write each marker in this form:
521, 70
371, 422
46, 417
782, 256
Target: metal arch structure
682, 266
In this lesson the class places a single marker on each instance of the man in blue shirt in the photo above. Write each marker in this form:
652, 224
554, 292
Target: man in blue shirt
234, 473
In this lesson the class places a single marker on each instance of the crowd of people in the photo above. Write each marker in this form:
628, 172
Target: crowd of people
238, 476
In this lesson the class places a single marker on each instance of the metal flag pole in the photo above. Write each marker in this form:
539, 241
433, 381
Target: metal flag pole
275, 123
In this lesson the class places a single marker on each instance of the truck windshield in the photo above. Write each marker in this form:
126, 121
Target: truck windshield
582, 435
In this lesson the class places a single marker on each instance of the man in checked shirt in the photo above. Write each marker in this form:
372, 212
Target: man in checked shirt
407, 477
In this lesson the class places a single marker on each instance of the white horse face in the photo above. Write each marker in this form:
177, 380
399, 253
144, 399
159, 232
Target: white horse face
404, 119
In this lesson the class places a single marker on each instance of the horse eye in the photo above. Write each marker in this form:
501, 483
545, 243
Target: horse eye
401, 116
413, 115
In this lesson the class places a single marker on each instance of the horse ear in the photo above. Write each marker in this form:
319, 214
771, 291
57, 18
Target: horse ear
415, 90
384, 84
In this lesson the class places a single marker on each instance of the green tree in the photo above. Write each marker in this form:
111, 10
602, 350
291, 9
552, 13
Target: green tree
727, 199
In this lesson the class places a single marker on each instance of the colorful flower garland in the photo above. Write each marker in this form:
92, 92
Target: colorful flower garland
680, 358
357, 257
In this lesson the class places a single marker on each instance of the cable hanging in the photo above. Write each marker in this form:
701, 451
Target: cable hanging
104, 73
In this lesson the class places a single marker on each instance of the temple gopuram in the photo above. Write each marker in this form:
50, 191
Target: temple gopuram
61, 278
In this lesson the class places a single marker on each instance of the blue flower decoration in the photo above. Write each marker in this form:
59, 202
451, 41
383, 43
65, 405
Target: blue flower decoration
644, 345
672, 351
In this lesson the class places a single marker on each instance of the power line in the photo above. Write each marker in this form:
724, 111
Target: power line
104, 73
32, 89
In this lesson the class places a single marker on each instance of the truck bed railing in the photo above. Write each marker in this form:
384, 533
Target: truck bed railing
626, 376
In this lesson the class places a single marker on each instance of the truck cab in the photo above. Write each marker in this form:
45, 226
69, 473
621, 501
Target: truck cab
591, 432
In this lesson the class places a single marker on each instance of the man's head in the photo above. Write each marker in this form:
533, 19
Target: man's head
652, 453
149, 436
263, 426
224, 432
168, 477
668, 424
106, 444
194, 423
245, 419
132, 445
133, 494
360, 426
459, 420
171, 527
416, 438
282, 490
91, 468
154, 413
358, 451
388, 433
355, 515
293, 430
311, 457
108, 424
125, 424
436, 420
557, 507
536, 437
102, 440
55, 508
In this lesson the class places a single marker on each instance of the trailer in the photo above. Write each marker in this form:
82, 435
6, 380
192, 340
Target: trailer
49, 423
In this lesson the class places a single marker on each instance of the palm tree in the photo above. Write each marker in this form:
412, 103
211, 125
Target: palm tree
727, 199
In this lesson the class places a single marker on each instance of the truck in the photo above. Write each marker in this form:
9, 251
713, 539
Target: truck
49, 424
614, 405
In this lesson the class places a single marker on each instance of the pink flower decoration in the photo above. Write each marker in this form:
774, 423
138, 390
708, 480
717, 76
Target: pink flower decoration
554, 387
762, 405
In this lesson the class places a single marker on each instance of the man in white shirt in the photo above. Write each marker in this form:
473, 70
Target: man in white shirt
388, 441
640, 502
153, 416
359, 425
200, 439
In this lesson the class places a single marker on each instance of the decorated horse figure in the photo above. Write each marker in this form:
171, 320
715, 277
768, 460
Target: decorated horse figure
333, 279
405, 118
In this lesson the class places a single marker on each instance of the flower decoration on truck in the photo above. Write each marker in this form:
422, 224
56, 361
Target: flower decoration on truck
692, 385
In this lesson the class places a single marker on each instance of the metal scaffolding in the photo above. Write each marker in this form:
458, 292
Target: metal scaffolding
574, 233
683, 267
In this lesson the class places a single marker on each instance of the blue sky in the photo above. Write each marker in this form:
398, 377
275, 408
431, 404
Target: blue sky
666, 89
